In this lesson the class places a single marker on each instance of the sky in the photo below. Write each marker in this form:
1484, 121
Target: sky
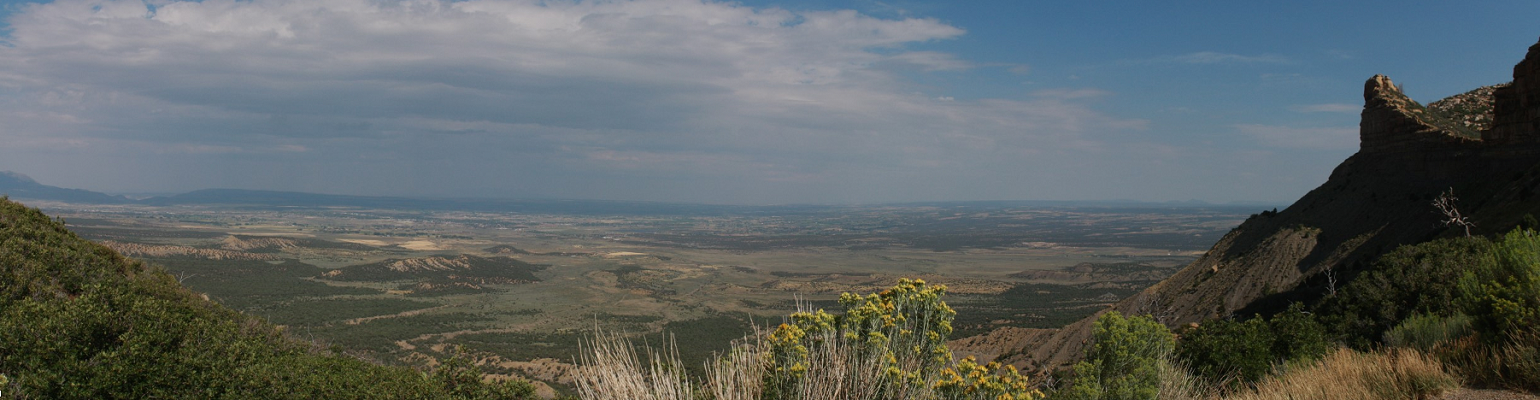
753, 102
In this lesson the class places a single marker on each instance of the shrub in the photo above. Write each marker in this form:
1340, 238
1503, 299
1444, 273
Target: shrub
1228, 350
1123, 360
889, 345
1297, 336
1424, 332
1502, 293
1410, 280
970, 381
1245, 351
905, 327
79, 321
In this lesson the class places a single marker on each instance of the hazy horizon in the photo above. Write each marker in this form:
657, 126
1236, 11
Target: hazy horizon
689, 101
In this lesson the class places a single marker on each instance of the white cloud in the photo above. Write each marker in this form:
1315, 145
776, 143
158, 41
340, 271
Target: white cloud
932, 61
1302, 138
606, 88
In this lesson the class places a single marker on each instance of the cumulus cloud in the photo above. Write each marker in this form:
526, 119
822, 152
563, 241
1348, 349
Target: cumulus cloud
611, 89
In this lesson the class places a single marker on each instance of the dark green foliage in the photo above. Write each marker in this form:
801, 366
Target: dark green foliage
380, 335
79, 321
1425, 291
697, 340
1228, 349
1123, 360
462, 379
1297, 335
1246, 350
311, 312
1416, 279
1502, 293
253, 285
525, 346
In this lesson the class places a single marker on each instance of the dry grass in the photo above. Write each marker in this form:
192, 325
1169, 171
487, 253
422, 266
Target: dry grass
1178, 383
1347, 374
611, 370
1514, 364
837, 370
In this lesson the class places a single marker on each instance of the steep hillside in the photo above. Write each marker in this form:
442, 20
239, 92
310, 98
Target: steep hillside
1375, 201
80, 321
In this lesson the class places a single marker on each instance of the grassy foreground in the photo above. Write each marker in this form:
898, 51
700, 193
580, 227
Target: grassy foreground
1131, 358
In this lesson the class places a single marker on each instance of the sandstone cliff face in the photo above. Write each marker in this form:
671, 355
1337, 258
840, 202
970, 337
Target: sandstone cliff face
1375, 201
1517, 107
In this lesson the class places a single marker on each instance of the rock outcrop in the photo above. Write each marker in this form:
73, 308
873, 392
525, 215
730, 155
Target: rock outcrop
1517, 106
1375, 201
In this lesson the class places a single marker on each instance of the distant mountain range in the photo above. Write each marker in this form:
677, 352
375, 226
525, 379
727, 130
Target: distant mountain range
23, 187
18, 186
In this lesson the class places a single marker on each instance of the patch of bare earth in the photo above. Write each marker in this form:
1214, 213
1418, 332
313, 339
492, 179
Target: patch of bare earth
154, 250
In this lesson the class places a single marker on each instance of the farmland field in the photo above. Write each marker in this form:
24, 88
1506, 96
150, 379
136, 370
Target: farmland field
522, 290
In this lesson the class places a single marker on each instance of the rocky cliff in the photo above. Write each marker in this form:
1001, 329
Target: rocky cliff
1375, 201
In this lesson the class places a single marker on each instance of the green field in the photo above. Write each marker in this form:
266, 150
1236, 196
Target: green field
398, 287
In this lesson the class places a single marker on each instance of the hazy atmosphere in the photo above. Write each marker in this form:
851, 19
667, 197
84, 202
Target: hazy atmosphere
753, 102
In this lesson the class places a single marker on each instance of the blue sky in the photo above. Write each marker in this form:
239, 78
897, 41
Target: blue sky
756, 102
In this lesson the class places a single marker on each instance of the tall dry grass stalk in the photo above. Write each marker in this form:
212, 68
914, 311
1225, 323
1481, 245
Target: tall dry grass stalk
1348, 375
737, 375
1512, 365
886, 346
839, 370
1178, 383
611, 370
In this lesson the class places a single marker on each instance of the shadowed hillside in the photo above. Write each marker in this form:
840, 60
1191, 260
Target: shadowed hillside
80, 321
1375, 201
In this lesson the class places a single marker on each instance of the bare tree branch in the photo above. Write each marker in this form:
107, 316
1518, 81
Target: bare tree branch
1445, 204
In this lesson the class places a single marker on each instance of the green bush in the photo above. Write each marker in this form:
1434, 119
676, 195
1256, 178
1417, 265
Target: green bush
79, 321
1123, 360
905, 326
888, 345
1227, 349
1410, 280
1297, 336
1424, 332
1246, 351
1502, 293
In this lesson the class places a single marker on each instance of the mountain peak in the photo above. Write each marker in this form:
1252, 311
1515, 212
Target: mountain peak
1393, 123
16, 177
